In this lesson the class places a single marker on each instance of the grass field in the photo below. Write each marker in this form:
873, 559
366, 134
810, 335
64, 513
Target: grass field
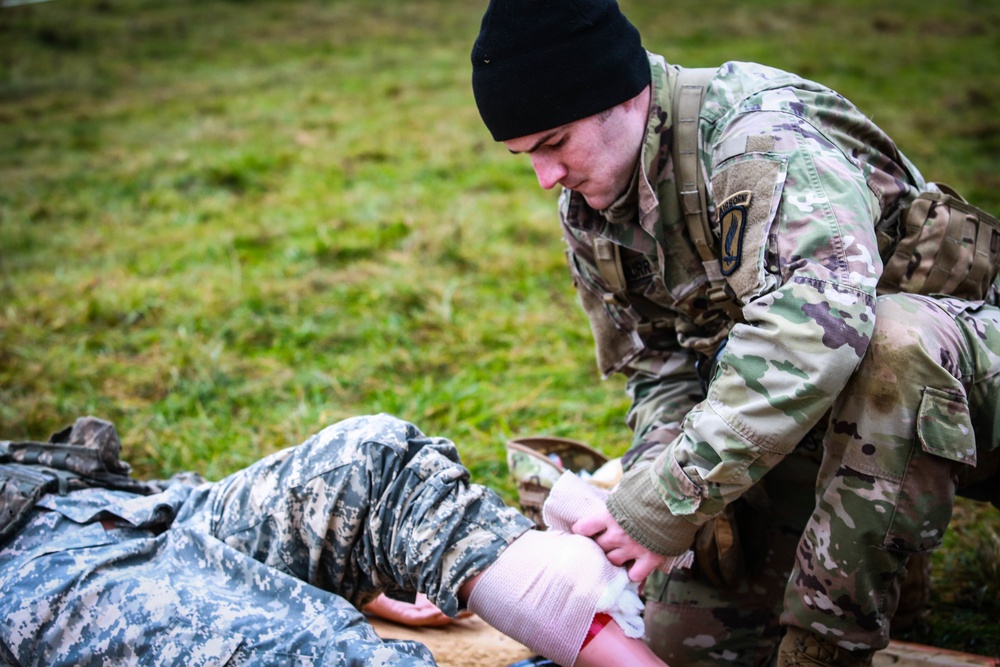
225, 224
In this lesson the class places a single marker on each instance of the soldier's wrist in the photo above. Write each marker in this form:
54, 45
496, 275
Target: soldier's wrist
641, 513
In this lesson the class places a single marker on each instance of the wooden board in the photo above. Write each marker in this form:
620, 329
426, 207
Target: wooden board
905, 654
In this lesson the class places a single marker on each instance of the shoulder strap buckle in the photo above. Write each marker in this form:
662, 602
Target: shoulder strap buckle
689, 94
608, 258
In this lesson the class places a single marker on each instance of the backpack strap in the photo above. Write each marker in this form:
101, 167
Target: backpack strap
608, 258
689, 94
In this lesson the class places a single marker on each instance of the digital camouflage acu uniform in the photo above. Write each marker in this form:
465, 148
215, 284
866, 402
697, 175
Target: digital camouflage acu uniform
805, 181
266, 567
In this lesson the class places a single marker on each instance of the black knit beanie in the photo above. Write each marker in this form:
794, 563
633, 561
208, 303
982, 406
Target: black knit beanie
539, 64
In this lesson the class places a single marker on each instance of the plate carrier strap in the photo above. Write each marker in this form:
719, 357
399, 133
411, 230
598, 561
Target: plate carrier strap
689, 94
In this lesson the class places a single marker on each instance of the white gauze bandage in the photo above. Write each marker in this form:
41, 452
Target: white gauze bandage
546, 588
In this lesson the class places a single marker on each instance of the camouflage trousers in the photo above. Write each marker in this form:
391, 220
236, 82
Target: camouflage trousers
266, 567
870, 487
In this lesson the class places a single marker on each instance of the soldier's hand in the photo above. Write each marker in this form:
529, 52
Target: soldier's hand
618, 545
421, 613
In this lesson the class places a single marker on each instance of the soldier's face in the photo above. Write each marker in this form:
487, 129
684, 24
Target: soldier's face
595, 156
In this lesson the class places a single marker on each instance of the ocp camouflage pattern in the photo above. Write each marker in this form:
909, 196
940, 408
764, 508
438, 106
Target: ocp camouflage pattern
266, 567
823, 183
923, 411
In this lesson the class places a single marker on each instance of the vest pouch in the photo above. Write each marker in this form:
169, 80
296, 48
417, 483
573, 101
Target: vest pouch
616, 342
81, 456
947, 246
20, 489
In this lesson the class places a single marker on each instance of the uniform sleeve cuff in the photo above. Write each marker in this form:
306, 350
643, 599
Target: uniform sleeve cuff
640, 511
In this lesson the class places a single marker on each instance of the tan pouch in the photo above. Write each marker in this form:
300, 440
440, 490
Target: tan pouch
732, 546
947, 246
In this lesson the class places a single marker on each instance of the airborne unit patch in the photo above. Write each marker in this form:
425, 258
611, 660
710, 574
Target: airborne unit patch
732, 222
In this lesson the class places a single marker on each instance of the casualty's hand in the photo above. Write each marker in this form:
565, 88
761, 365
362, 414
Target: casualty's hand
421, 613
618, 545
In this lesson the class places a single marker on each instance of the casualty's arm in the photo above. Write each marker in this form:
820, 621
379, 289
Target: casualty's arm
550, 588
610, 646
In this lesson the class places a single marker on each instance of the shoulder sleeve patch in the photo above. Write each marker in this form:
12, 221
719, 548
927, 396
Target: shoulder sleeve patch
748, 189
732, 219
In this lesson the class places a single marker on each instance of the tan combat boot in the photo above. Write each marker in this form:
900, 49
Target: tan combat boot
804, 649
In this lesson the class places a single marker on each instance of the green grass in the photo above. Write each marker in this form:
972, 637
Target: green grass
225, 224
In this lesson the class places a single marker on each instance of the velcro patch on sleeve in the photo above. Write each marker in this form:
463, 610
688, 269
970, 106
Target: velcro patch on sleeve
748, 188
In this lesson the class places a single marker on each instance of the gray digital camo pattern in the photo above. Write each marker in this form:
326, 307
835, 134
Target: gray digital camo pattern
265, 567
822, 182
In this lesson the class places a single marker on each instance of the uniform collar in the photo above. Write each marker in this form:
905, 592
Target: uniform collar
640, 202
622, 210
657, 142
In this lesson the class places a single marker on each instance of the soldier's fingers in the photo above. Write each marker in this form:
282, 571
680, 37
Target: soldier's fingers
642, 567
590, 526
619, 557
610, 542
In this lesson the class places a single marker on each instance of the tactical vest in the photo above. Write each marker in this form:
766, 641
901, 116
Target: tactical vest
84, 455
940, 244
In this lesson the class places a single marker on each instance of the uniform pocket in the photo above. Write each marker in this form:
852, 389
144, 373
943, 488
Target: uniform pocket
944, 426
615, 340
926, 493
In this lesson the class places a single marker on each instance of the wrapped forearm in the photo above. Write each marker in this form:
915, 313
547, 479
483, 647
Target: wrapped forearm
546, 588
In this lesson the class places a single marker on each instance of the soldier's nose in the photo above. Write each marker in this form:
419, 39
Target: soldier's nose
548, 171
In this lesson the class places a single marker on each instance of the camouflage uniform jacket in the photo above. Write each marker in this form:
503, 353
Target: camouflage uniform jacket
811, 178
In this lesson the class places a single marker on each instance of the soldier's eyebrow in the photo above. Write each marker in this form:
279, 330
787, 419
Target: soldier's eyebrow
538, 143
